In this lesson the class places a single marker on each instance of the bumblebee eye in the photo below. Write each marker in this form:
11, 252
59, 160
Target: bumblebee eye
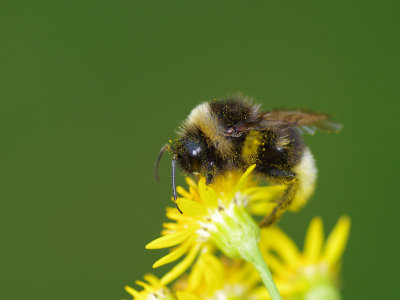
194, 151
193, 148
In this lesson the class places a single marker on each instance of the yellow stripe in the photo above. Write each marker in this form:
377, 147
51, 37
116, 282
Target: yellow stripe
250, 147
200, 118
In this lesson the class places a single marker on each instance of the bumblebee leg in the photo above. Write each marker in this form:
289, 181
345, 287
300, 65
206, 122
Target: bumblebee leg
281, 206
285, 200
279, 174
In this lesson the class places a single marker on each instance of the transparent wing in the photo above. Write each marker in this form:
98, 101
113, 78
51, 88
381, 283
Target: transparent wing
306, 121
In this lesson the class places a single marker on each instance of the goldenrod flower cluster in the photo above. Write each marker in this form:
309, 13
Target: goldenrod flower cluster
223, 254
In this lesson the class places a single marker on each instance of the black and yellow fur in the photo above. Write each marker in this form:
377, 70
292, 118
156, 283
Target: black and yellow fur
232, 134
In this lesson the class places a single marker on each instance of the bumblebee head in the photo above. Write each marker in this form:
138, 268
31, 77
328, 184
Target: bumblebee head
189, 153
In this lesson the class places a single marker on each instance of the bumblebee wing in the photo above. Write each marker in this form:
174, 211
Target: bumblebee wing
308, 122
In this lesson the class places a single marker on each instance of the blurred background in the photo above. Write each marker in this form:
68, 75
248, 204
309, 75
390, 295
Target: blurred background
91, 90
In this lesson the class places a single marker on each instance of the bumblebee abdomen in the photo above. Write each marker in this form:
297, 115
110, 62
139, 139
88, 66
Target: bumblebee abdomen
306, 172
274, 150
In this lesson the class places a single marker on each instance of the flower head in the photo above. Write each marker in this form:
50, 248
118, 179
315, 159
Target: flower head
215, 277
217, 214
313, 273
153, 289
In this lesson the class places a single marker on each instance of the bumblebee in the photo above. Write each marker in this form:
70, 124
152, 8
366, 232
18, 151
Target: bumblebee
233, 133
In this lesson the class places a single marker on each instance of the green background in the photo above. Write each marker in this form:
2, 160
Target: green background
90, 91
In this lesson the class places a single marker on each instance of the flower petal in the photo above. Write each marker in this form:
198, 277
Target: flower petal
243, 178
144, 285
183, 192
176, 253
213, 272
278, 241
153, 280
337, 241
190, 182
191, 208
314, 241
264, 193
196, 275
186, 296
171, 239
207, 194
261, 208
274, 264
241, 182
133, 292
182, 266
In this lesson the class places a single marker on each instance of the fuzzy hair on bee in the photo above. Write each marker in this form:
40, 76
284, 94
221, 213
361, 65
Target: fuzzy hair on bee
232, 133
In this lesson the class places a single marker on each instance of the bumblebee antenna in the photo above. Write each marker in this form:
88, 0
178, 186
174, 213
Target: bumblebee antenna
174, 182
157, 163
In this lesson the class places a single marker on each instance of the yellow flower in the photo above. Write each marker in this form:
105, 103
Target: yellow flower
217, 214
219, 278
313, 273
152, 290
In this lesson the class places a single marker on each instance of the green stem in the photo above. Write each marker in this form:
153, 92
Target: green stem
237, 235
255, 257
